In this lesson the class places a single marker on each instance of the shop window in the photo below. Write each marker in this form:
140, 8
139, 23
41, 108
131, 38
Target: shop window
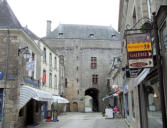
163, 36
154, 113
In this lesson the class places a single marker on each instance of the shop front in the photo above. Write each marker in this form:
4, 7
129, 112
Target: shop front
33, 104
125, 96
149, 101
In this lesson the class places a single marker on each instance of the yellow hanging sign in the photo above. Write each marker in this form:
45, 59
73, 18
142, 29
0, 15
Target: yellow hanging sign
139, 46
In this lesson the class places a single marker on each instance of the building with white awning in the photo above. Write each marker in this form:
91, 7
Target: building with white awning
27, 93
60, 100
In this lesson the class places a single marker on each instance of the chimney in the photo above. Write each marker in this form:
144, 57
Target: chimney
48, 28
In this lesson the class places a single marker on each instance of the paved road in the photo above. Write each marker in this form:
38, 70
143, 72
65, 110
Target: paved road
83, 120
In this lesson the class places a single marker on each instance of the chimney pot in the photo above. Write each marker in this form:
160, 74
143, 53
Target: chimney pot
48, 29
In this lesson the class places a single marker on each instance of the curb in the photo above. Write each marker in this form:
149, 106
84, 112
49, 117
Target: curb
127, 123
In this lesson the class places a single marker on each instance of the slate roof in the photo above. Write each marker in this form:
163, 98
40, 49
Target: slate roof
74, 31
30, 33
7, 17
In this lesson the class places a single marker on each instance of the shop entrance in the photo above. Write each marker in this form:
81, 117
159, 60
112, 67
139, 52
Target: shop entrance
29, 113
93, 92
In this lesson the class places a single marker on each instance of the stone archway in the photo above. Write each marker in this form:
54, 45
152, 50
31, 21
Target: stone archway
93, 92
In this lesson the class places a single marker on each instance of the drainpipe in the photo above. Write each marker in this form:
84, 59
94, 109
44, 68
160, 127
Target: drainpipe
160, 75
6, 74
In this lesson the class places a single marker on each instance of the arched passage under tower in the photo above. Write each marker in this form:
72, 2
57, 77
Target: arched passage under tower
93, 92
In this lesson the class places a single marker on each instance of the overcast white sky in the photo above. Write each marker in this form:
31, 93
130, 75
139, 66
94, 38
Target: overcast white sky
34, 13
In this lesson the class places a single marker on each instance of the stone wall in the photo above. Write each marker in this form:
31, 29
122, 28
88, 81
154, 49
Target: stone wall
12, 85
77, 59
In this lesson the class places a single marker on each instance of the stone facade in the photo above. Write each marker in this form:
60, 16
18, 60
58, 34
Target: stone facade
50, 66
15, 72
77, 54
131, 11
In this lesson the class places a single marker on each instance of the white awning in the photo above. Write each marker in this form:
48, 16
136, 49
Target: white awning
27, 93
142, 75
60, 100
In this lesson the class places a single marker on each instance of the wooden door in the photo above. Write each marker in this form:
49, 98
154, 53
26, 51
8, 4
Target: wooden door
75, 107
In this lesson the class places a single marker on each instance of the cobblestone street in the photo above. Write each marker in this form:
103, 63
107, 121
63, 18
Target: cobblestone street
83, 120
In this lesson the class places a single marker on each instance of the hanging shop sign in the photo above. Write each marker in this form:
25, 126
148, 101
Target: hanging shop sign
133, 72
139, 50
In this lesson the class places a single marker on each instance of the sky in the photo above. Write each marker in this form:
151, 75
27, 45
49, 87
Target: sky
35, 13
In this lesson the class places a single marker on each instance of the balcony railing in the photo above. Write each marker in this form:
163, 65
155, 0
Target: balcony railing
33, 82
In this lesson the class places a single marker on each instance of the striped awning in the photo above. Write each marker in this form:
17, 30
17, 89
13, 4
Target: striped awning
27, 93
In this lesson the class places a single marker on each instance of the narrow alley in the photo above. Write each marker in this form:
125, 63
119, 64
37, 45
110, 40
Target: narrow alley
83, 120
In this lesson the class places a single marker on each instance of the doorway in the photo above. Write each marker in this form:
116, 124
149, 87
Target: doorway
93, 92
30, 113
75, 107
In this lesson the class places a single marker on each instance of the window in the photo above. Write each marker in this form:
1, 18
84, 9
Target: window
149, 8
91, 35
44, 55
60, 34
50, 59
33, 56
112, 36
93, 62
55, 82
77, 68
62, 59
39, 43
134, 17
55, 63
77, 80
108, 82
50, 80
95, 79
44, 77
65, 82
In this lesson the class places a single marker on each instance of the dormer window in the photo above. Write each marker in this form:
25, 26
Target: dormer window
60, 34
113, 36
91, 35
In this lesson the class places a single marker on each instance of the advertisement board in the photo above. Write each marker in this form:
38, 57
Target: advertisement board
139, 50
